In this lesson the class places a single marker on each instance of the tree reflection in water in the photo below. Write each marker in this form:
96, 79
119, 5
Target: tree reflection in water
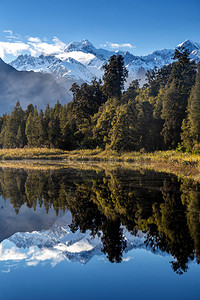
166, 208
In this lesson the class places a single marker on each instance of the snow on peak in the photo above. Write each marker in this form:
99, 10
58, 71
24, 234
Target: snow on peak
31, 63
70, 68
59, 243
80, 56
190, 45
81, 62
84, 46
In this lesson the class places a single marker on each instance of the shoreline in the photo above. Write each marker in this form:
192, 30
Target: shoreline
180, 164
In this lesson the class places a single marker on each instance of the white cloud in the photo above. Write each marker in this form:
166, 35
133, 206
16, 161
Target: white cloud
8, 31
33, 45
34, 39
13, 48
59, 43
36, 46
11, 36
117, 45
44, 48
6, 271
126, 259
33, 52
11, 254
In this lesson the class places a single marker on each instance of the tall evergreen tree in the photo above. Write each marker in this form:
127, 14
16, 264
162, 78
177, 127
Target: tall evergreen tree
32, 129
115, 74
86, 101
54, 125
157, 78
103, 121
46, 121
191, 125
132, 91
176, 96
15, 121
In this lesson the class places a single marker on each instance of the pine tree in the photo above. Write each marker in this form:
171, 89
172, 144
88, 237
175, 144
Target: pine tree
30, 109
157, 78
4, 119
67, 140
46, 125
11, 130
41, 129
28, 131
176, 97
19, 137
172, 116
86, 101
132, 91
191, 125
194, 108
54, 125
32, 129
114, 77
102, 122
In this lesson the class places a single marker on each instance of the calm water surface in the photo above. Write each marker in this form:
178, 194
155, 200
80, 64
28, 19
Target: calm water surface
98, 234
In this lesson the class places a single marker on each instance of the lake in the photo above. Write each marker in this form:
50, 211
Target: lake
94, 233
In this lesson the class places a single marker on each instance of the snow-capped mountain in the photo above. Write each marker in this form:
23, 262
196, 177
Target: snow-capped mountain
60, 243
81, 62
29, 63
190, 45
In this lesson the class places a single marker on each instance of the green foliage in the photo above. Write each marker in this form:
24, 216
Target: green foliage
156, 116
32, 130
157, 79
14, 129
126, 131
103, 121
176, 96
108, 200
123, 135
191, 125
132, 92
114, 77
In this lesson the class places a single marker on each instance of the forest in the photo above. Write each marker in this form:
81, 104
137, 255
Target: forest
163, 114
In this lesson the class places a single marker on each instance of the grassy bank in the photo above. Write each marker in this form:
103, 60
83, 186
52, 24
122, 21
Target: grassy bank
180, 164
99, 155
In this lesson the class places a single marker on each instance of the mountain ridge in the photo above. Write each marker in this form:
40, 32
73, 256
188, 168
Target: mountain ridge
60, 243
93, 59
47, 78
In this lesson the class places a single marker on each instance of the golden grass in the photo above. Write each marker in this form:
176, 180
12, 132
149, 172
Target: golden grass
159, 165
180, 164
99, 155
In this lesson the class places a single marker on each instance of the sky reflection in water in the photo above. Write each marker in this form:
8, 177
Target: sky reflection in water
89, 235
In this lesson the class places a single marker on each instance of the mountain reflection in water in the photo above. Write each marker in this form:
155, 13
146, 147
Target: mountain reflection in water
74, 215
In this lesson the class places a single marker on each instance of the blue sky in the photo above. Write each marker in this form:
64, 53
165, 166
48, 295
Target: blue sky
140, 26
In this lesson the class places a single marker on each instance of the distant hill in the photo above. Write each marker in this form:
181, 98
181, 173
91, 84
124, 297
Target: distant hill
28, 87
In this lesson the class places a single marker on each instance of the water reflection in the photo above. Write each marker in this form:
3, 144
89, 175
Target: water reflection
103, 211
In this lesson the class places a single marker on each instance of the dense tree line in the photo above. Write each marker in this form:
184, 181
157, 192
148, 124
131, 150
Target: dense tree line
163, 114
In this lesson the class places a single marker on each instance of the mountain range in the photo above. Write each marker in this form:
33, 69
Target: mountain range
48, 78
81, 61
59, 243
